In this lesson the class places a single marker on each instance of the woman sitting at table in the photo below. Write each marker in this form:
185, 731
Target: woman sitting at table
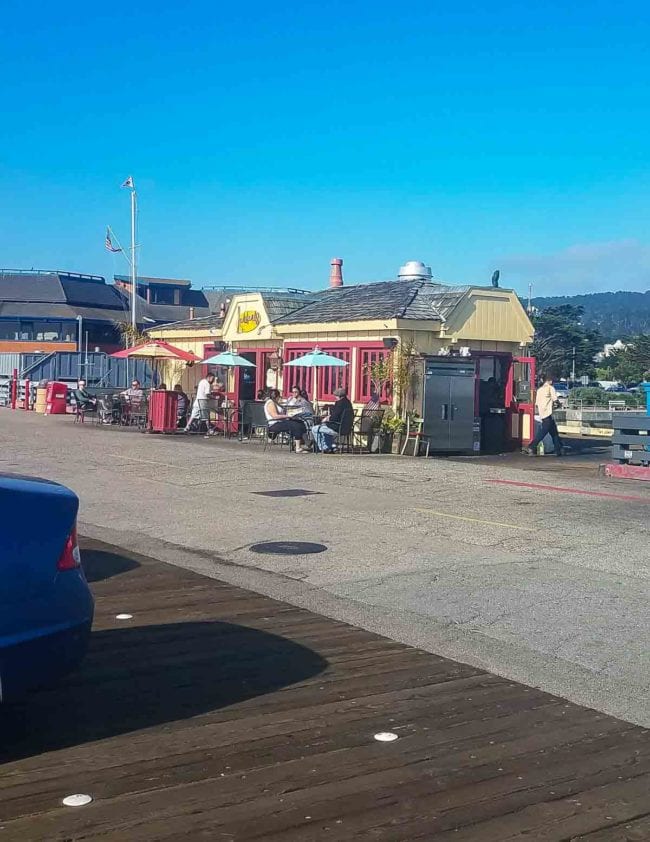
279, 423
299, 401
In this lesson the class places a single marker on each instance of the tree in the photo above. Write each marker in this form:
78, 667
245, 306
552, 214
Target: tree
558, 331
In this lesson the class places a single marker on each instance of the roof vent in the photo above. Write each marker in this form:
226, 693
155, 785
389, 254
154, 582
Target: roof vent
414, 270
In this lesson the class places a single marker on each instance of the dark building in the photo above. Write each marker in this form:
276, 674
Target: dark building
54, 311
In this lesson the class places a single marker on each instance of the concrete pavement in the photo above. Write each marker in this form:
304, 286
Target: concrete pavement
541, 577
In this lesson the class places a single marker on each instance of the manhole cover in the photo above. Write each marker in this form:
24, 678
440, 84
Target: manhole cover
287, 492
288, 548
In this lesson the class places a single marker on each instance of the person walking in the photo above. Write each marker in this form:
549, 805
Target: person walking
545, 402
200, 405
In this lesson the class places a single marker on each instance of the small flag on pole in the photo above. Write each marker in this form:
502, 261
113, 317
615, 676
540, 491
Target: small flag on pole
129, 183
109, 242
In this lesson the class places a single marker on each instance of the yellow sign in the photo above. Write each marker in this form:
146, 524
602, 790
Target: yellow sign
248, 321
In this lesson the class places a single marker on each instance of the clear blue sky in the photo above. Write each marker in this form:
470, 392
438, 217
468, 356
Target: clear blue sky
267, 138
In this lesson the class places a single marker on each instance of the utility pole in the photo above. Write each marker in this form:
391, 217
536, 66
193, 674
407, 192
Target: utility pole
530, 297
573, 366
134, 273
130, 185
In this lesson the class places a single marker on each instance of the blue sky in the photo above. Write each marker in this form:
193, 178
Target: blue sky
267, 138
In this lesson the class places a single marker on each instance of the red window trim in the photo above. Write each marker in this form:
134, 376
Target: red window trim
360, 395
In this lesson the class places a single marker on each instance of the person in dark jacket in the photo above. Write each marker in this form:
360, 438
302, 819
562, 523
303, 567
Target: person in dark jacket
338, 422
84, 400
182, 405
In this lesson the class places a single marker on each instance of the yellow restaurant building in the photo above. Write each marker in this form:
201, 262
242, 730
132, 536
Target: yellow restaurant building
459, 339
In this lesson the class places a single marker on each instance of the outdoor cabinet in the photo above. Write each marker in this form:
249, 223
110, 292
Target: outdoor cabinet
449, 396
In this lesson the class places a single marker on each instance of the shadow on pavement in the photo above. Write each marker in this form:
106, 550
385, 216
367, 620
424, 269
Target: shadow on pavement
142, 676
99, 565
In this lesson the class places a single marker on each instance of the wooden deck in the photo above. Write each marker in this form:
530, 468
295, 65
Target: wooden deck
220, 714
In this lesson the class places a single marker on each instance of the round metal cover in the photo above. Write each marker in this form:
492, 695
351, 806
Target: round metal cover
288, 548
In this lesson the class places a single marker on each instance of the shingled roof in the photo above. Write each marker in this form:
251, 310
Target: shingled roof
416, 299
206, 322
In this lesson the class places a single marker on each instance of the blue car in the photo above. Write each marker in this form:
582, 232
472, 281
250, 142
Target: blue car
46, 608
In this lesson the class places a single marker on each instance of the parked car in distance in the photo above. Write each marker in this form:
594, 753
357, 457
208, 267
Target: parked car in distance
562, 391
46, 607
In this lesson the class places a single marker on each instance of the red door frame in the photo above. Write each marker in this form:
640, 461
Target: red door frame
519, 408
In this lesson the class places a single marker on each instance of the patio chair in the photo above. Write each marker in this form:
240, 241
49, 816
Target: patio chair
135, 412
416, 437
272, 439
368, 427
108, 410
345, 438
253, 421
80, 411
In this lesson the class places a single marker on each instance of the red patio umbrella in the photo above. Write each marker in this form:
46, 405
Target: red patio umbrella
156, 349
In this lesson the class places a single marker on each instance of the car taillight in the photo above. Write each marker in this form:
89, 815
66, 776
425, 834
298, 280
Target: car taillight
70, 557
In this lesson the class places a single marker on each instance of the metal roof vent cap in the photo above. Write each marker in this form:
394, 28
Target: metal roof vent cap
414, 270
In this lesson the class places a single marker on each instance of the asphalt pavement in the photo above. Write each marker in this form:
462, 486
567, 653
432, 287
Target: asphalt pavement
536, 570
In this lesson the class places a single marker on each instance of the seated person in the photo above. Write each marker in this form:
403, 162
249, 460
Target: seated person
299, 400
279, 423
162, 387
135, 392
182, 405
261, 395
338, 422
84, 400
374, 402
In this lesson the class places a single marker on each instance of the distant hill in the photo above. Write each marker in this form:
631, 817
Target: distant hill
615, 314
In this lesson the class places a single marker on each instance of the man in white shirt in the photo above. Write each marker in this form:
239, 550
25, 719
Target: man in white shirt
545, 401
200, 407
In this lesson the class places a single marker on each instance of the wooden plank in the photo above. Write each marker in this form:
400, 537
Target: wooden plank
221, 714
637, 830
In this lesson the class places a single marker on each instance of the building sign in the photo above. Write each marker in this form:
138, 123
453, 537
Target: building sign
248, 321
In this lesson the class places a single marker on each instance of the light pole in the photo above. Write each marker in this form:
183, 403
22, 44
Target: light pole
573, 365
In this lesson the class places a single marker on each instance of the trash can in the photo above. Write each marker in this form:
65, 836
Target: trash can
56, 398
163, 409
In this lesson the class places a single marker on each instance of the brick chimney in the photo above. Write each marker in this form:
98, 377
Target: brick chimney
336, 273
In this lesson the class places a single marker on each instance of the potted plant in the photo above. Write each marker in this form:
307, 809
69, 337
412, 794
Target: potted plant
391, 430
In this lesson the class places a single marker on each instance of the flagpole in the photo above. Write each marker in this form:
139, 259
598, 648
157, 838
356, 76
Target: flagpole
134, 274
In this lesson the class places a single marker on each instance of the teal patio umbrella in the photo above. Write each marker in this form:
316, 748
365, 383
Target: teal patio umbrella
317, 359
228, 359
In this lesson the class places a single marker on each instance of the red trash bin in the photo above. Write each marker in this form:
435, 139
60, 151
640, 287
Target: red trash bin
163, 409
56, 398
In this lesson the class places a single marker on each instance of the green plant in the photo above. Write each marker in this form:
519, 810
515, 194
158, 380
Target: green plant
381, 373
130, 335
406, 363
392, 424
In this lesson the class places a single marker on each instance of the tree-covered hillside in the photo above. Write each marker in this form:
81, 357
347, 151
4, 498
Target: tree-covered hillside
615, 314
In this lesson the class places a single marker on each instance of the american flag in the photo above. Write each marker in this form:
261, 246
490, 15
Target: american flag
109, 243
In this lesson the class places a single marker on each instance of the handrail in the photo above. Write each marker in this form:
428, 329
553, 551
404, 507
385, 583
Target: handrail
37, 362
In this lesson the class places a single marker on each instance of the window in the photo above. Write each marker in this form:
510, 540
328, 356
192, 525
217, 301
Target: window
367, 358
296, 375
47, 331
333, 377
329, 377
9, 330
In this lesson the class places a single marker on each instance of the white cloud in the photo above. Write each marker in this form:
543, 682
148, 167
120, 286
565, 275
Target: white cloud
581, 268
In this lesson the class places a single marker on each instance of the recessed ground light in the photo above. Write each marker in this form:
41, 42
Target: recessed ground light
78, 800
124, 616
386, 737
